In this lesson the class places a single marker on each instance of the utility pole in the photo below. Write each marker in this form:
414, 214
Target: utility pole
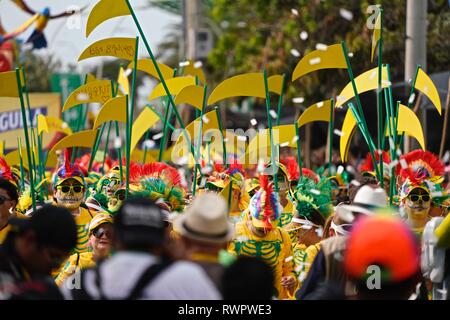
416, 44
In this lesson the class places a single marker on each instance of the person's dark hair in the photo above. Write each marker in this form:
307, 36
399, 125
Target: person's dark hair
54, 226
248, 278
10, 189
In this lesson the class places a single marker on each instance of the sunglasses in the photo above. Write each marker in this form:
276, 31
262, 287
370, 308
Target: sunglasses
3, 199
101, 231
416, 197
66, 189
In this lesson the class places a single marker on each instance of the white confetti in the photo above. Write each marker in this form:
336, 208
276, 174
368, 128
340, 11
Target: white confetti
224, 24
225, 139
356, 183
314, 61
437, 194
315, 191
198, 64
149, 144
338, 132
202, 182
157, 136
182, 161
117, 143
393, 163
242, 239
350, 169
340, 170
294, 12
284, 144
425, 89
82, 97
127, 72
446, 156
261, 166
341, 98
184, 63
64, 125
242, 24
303, 35
242, 138
207, 170
320, 104
290, 258
295, 53
319, 232
321, 47
387, 83
295, 139
373, 75
298, 100
399, 152
346, 14
273, 114
411, 98
391, 143
205, 119
403, 163
253, 122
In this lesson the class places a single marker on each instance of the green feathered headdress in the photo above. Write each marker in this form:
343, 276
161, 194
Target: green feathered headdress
310, 196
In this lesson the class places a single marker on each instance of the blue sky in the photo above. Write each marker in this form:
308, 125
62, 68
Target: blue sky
67, 41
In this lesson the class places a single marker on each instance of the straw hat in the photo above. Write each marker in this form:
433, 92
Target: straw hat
206, 219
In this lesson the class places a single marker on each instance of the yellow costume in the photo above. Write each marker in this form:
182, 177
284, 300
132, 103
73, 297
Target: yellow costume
78, 260
275, 248
4, 233
82, 221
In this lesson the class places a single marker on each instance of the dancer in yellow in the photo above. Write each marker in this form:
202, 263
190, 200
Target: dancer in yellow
258, 235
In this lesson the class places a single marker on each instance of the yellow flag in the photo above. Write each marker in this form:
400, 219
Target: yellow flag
13, 157
146, 119
122, 48
2, 148
98, 91
42, 124
84, 139
105, 10
409, 124
376, 35
138, 156
425, 85
225, 193
191, 70
147, 66
112, 110
364, 82
317, 112
90, 78
192, 95
245, 85
330, 57
174, 85
124, 84
347, 131
9, 87
56, 124
259, 148
210, 121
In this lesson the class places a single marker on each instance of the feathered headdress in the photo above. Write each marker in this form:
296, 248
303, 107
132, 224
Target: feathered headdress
67, 171
265, 207
6, 172
313, 196
421, 169
368, 166
158, 181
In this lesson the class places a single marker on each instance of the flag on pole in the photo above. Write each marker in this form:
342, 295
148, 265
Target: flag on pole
105, 10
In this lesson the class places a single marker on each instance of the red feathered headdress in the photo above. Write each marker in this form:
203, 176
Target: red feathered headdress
420, 165
5, 171
367, 165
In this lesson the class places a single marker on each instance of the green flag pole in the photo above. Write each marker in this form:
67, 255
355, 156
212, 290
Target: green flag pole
330, 137
22, 177
106, 146
224, 145
27, 138
119, 152
166, 124
163, 82
379, 96
299, 151
199, 144
269, 120
280, 99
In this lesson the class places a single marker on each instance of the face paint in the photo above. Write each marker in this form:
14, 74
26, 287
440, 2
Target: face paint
69, 195
417, 207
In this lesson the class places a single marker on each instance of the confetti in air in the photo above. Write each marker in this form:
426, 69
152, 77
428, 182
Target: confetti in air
284, 144
117, 143
303, 35
298, 100
346, 14
338, 132
320, 104
350, 169
127, 72
253, 122
157, 136
273, 114
356, 183
321, 47
198, 64
314, 61
242, 138
411, 98
295, 139
149, 144
295, 53
294, 12
82, 97
205, 119
340, 170
184, 63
